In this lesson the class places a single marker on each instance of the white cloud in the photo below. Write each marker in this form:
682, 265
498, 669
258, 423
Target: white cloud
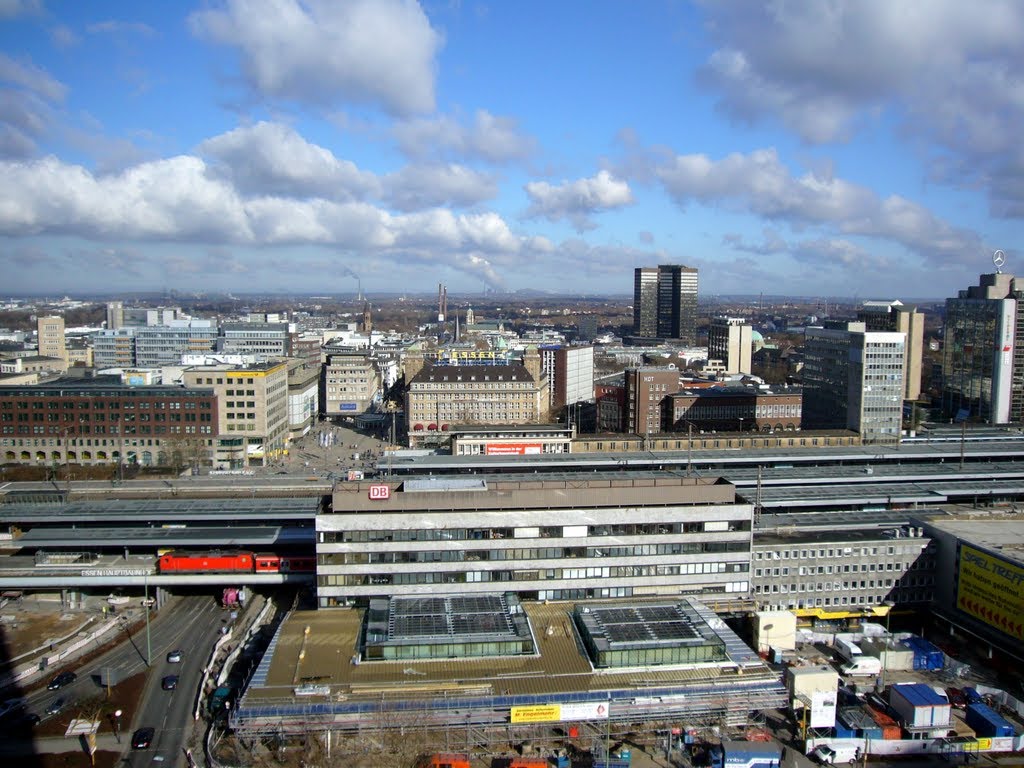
578, 200
181, 199
28, 96
950, 71
759, 183
324, 52
31, 78
416, 187
272, 159
490, 137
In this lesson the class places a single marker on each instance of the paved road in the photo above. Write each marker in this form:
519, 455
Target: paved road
190, 624
170, 712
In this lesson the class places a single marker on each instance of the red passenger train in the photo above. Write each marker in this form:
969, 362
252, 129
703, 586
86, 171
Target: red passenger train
235, 562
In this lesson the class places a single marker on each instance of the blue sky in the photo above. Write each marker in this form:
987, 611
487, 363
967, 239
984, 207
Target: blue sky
859, 148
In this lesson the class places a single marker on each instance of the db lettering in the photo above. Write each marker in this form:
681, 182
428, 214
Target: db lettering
380, 492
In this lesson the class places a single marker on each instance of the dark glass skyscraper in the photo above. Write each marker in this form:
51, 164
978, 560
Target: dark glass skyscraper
665, 302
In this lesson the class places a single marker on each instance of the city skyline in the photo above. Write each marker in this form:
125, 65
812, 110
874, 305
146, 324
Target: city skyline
255, 146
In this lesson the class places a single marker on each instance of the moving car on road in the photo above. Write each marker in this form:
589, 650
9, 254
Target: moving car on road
56, 706
64, 678
174, 657
169, 683
142, 738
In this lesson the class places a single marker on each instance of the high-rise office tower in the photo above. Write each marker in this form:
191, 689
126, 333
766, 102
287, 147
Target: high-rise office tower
853, 379
677, 303
665, 302
983, 356
645, 302
894, 317
50, 335
115, 315
730, 339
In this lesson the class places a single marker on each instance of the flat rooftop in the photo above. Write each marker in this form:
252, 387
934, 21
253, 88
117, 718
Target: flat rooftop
1003, 535
320, 646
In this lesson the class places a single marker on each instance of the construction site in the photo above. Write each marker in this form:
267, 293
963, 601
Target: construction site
487, 674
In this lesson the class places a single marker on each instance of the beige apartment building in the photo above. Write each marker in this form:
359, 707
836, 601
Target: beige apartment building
252, 411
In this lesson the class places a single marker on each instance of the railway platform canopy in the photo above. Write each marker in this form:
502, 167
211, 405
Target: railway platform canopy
314, 676
255, 509
141, 537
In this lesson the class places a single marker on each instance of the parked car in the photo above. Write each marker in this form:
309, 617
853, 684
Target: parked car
56, 706
956, 698
169, 683
143, 738
64, 678
174, 657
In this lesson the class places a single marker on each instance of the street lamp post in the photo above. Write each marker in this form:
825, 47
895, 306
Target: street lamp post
889, 604
145, 605
117, 725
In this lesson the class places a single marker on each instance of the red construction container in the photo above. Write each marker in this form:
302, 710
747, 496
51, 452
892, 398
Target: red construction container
890, 728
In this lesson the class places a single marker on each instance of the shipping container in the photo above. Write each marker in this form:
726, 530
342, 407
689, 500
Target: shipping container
927, 655
919, 706
444, 760
986, 722
890, 728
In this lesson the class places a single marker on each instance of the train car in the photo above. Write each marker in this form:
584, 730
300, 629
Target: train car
207, 562
271, 563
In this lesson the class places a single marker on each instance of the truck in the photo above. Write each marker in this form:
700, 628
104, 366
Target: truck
862, 665
736, 753
836, 753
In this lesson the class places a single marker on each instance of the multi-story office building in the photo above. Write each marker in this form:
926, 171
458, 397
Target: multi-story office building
351, 383
114, 348
252, 422
303, 397
677, 303
648, 393
610, 397
853, 379
151, 346
804, 570
645, 302
50, 334
261, 338
157, 345
137, 317
665, 302
570, 374
730, 339
983, 354
541, 536
115, 315
102, 421
439, 396
894, 317
736, 408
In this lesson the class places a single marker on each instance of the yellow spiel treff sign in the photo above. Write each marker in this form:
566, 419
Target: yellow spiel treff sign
991, 589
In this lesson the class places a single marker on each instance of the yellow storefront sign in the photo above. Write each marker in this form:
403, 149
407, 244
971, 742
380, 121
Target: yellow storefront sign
538, 713
991, 589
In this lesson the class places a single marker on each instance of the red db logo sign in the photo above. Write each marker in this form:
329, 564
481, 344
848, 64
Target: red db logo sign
380, 492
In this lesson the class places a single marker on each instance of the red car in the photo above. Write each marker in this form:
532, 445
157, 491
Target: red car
956, 698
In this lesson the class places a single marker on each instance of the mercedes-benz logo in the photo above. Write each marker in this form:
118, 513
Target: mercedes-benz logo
998, 258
